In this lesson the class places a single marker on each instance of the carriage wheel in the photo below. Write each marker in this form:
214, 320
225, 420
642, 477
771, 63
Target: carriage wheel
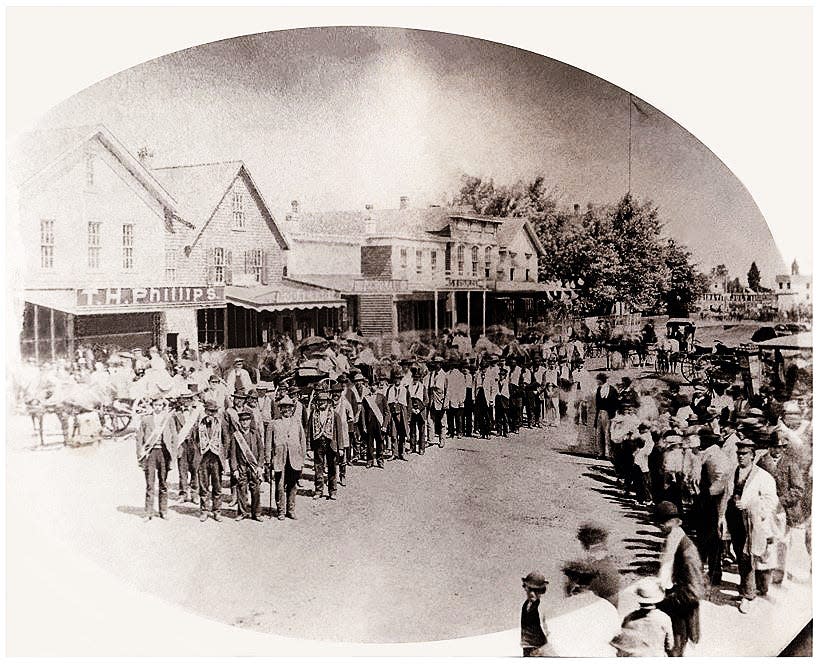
692, 368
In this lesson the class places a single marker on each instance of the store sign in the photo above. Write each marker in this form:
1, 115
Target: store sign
460, 282
149, 297
380, 285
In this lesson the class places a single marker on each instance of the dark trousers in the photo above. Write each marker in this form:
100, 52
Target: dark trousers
708, 540
398, 434
454, 418
156, 468
342, 463
437, 419
514, 412
286, 483
374, 446
501, 405
324, 459
641, 484
482, 420
532, 407
188, 468
468, 414
210, 477
753, 582
248, 480
417, 431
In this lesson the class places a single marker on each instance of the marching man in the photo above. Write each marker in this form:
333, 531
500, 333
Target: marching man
155, 449
209, 437
245, 452
189, 457
286, 457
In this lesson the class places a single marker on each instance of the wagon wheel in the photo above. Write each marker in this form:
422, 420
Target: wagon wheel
693, 368
114, 422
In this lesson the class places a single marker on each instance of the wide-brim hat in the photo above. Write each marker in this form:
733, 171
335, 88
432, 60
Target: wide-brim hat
286, 400
265, 385
746, 442
649, 591
791, 408
437, 359
535, 581
239, 395
238, 360
245, 415
210, 404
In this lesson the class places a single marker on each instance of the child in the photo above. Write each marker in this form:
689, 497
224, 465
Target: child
647, 632
533, 629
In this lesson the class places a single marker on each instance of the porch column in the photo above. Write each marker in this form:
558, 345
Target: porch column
69, 332
52, 334
436, 313
454, 308
394, 317
468, 311
484, 313
37, 333
226, 331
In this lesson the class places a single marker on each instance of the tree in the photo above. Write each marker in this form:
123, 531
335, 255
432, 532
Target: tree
754, 277
734, 286
686, 284
720, 275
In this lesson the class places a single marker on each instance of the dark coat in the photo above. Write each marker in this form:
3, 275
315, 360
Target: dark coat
335, 440
609, 403
682, 601
255, 442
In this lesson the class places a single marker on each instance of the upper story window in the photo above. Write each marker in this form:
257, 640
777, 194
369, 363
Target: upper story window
433, 260
487, 262
254, 263
94, 243
461, 259
219, 264
419, 261
475, 260
404, 257
47, 243
89, 168
127, 246
170, 265
511, 274
238, 211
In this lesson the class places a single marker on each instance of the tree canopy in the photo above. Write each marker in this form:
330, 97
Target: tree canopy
612, 253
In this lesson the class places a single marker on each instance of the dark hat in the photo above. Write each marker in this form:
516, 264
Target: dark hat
286, 400
211, 405
239, 395
535, 581
212, 378
592, 533
746, 442
245, 415
602, 376
734, 389
666, 511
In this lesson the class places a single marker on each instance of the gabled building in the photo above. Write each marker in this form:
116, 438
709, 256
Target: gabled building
794, 292
424, 268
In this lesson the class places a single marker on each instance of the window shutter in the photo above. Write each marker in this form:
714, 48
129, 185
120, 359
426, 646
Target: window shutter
210, 270
228, 269
265, 270
246, 262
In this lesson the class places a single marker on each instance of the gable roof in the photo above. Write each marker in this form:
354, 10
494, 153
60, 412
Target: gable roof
36, 153
511, 227
201, 188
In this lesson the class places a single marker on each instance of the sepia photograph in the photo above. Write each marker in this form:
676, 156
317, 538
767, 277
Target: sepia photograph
377, 336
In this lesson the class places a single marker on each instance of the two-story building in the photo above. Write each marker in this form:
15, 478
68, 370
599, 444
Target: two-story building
114, 252
424, 268
794, 292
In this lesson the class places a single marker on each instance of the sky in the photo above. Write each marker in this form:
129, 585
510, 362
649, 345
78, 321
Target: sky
337, 118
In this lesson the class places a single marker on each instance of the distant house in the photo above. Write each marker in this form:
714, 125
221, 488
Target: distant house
794, 291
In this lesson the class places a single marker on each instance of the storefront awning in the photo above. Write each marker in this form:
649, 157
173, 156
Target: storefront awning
282, 296
61, 300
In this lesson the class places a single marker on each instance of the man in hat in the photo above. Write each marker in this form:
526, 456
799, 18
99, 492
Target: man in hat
485, 385
417, 411
750, 519
673, 467
246, 457
156, 446
346, 423
189, 456
238, 378
373, 425
515, 391
647, 631
435, 385
606, 579
322, 436
469, 368
502, 403
286, 454
535, 390
681, 576
217, 391
397, 415
643, 446
355, 396
783, 465
533, 627
210, 438
607, 403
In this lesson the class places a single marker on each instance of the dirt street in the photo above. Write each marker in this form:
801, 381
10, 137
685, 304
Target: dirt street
430, 549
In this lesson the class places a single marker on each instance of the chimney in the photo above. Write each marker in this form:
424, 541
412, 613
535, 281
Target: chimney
576, 208
295, 207
404, 202
369, 222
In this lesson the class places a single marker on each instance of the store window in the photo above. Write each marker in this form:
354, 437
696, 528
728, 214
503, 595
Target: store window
461, 259
47, 243
433, 260
94, 243
210, 323
487, 262
219, 264
238, 211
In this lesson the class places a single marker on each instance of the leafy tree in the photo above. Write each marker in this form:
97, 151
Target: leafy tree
720, 275
734, 286
686, 284
754, 277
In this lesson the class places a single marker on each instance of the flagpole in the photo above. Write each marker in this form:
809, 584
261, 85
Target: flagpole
630, 129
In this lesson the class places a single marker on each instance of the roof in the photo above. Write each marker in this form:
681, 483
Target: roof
800, 341
343, 283
200, 188
285, 294
513, 226
35, 153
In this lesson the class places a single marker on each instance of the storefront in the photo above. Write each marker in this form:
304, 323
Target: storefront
55, 321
